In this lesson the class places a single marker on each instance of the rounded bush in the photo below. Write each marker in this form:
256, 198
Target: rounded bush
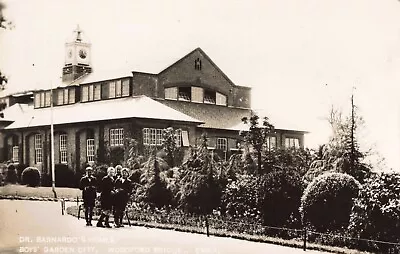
327, 201
65, 177
31, 177
11, 176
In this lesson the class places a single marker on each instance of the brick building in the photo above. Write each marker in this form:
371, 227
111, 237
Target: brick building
93, 113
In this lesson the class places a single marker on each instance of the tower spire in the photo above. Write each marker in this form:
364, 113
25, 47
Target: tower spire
78, 32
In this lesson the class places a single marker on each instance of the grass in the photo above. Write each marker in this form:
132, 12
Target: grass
73, 210
17, 191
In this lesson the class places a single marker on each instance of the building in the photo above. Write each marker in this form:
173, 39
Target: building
92, 113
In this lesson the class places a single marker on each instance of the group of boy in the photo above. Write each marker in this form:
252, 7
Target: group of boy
114, 189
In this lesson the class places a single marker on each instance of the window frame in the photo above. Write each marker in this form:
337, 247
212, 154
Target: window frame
15, 154
220, 146
90, 150
116, 137
63, 149
38, 147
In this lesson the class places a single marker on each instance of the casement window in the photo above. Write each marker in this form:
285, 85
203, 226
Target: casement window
292, 142
171, 93
125, 88
222, 144
38, 148
117, 137
60, 97
15, 154
91, 92
63, 149
47, 99
184, 94
209, 97
270, 142
66, 95
71, 98
197, 94
90, 149
152, 136
220, 99
185, 138
37, 100
118, 88
111, 87
42, 99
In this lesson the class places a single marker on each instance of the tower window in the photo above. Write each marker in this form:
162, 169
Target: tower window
197, 64
184, 94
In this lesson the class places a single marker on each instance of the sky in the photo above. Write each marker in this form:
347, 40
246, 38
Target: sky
300, 57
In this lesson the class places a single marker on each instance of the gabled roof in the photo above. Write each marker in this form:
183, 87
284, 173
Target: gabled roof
15, 111
123, 108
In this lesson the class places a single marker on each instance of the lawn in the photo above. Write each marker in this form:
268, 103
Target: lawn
22, 191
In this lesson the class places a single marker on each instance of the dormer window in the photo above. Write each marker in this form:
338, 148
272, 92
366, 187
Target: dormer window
184, 94
209, 97
220, 99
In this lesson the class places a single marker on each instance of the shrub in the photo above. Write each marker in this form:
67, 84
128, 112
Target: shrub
376, 211
327, 201
20, 167
281, 194
31, 177
11, 176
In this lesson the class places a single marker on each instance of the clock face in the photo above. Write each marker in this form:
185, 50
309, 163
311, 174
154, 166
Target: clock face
82, 53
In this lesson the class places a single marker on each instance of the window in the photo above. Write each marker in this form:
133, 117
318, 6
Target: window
47, 99
209, 97
65, 96
292, 142
270, 142
197, 94
178, 138
97, 92
60, 97
85, 93
37, 100
91, 93
197, 64
15, 153
111, 93
90, 149
221, 99
38, 149
63, 148
171, 93
118, 88
184, 94
71, 95
125, 87
222, 144
185, 138
117, 137
152, 136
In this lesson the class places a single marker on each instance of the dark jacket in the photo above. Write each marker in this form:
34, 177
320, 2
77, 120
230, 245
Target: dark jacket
106, 188
123, 190
88, 186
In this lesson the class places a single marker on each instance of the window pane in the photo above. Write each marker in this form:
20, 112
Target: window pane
72, 95
185, 138
222, 144
42, 99
85, 93
37, 100
48, 99
90, 150
60, 97
65, 96
184, 94
118, 89
125, 87
171, 93
91, 92
178, 138
111, 89
63, 148
97, 92
221, 99
15, 153
197, 94
209, 97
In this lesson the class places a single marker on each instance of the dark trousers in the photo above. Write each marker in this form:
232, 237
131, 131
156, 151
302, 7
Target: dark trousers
88, 213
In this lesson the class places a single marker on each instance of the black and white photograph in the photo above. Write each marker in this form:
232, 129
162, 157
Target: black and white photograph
199, 126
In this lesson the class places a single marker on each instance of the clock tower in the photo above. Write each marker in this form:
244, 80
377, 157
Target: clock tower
77, 58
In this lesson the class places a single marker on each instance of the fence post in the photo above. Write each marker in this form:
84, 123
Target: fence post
305, 239
62, 206
207, 227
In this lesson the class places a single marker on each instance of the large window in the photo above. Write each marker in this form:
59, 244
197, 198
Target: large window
65, 96
15, 153
38, 148
185, 93
117, 137
292, 143
152, 136
270, 142
125, 87
90, 149
42, 99
209, 96
197, 94
91, 92
63, 148
171, 93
